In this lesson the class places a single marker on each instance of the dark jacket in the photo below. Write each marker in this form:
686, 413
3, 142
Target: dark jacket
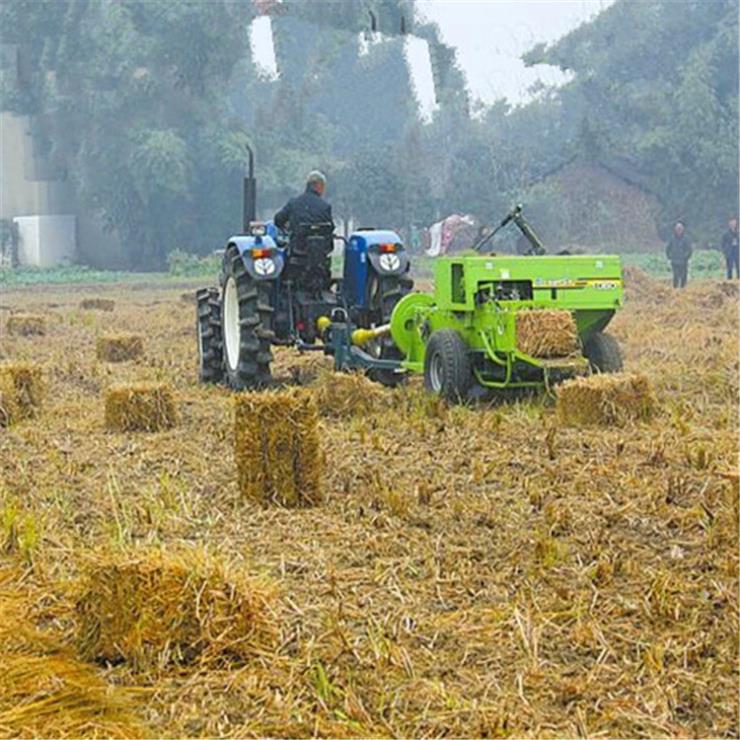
309, 208
678, 249
730, 245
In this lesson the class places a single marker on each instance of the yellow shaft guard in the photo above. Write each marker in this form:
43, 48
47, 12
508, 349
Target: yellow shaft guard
363, 336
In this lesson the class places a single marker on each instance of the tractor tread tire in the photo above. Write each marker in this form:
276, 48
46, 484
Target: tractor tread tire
391, 288
456, 371
255, 328
210, 339
603, 353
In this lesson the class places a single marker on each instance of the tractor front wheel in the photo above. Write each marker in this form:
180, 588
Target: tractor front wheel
246, 314
447, 370
603, 353
210, 341
383, 294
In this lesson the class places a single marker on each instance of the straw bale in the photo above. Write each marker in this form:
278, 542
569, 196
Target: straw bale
119, 347
277, 448
57, 696
97, 304
546, 333
27, 381
349, 394
154, 609
9, 410
606, 399
140, 407
26, 324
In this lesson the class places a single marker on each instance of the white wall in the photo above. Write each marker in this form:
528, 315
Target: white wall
46, 241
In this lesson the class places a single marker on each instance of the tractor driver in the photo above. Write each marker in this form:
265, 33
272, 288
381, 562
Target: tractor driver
309, 208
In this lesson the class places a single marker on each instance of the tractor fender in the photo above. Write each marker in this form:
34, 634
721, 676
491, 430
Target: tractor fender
269, 261
392, 263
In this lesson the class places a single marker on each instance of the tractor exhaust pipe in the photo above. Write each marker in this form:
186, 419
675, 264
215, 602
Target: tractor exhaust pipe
249, 206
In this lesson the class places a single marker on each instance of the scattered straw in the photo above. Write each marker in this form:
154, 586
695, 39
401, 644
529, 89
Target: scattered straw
349, 394
44, 690
119, 347
97, 304
141, 407
28, 383
546, 333
26, 324
606, 399
278, 452
153, 609
57, 696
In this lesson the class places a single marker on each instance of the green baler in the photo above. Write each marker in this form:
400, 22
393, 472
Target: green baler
463, 336
473, 310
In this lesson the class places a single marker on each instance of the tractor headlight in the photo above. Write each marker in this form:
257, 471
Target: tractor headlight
264, 266
389, 262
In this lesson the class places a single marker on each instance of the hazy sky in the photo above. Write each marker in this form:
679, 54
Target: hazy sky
491, 35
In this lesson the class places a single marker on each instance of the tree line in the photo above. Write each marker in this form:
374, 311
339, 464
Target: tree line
149, 108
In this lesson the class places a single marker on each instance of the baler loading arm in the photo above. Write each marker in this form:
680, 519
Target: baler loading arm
516, 215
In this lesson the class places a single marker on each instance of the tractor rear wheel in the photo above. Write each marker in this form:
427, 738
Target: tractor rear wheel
384, 292
210, 340
246, 316
447, 370
603, 353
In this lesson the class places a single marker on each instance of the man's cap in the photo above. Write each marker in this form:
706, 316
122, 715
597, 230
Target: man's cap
316, 176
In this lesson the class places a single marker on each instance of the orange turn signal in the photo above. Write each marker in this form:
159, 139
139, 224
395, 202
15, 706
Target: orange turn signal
385, 248
261, 253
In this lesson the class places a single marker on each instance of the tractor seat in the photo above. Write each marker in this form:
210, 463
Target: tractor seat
309, 256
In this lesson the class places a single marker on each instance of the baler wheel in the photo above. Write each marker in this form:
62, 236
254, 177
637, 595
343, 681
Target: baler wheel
603, 353
447, 370
210, 340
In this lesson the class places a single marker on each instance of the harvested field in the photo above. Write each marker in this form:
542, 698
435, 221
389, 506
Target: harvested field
471, 571
119, 347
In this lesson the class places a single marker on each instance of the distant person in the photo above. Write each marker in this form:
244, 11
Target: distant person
678, 251
730, 249
308, 208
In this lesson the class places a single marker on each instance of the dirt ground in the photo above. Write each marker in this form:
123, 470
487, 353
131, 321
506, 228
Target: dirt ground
473, 571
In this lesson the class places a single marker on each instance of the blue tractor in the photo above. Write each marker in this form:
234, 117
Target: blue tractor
279, 291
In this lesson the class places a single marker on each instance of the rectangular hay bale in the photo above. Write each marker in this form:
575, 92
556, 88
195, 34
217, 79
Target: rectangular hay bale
277, 448
349, 394
27, 380
97, 304
119, 347
606, 399
26, 324
9, 410
140, 407
545, 333
153, 608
